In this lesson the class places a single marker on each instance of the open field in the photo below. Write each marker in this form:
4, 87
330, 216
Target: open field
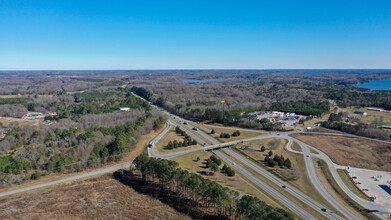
371, 115
95, 198
218, 131
332, 187
346, 179
297, 176
325, 130
237, 182
10, 96
6, 121
355, 152
160, 146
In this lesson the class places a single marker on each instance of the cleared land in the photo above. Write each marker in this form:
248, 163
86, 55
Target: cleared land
219, 130
297, 176
237, 182
371, 116
161, 145
96, 198
355, 152
6, 121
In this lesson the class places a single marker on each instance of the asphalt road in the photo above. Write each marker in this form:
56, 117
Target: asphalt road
282, 199
71, 178
268, 189
288, 203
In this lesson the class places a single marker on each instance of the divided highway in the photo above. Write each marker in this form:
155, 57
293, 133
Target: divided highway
203, 138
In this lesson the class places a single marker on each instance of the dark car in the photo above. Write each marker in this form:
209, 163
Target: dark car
284, 187
324, 210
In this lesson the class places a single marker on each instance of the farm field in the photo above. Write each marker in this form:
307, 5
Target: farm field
355, 152
96, 198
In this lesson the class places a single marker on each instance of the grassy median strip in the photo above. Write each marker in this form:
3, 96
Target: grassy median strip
326, 174
292, 198
303, 184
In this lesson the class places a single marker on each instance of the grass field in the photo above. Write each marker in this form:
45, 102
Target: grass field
95, 198
10, 96
295, 146
160, 146
371, 115
297, 176
310, 210
332, 187
237, 182
345, 178
355, 152
6, 121
219, 130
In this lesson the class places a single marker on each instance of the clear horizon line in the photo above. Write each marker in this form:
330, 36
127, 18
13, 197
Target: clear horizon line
210, 69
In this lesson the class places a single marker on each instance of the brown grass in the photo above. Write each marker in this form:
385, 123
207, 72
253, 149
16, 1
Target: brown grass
6, 121
332, 187
218, 131
297, 176
160, 146
237, 182
355, 152
95, 198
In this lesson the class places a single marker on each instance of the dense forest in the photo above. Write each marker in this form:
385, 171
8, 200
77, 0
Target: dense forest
86, 130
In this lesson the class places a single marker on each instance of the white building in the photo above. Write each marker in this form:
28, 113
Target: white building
124, 108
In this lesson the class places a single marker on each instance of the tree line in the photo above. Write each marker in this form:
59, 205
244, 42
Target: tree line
335, 122
217, 200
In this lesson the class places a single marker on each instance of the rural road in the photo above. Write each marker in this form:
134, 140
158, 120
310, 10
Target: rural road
289, 204
71, 178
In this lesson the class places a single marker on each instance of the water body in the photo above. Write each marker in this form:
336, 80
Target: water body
313, 74
203, 80
376, 85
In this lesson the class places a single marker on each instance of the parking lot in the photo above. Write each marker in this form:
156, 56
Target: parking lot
374, 183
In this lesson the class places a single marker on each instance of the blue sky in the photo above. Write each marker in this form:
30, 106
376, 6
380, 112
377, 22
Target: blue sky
54, 35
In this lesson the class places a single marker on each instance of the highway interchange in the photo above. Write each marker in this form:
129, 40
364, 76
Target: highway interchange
222, 150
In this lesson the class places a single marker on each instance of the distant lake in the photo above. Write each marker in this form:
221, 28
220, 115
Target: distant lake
312, 74
376, 85
203, 80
